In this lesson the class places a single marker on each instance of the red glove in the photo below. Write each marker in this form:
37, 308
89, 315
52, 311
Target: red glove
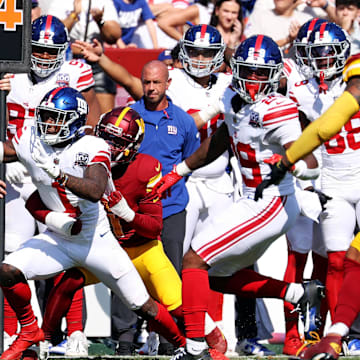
114, 198
162, 188
275, 158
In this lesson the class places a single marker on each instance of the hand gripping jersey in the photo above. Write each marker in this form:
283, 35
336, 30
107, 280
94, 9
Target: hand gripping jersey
73, 159
136, 185
257, 131
26, 94
192, 97
339, 154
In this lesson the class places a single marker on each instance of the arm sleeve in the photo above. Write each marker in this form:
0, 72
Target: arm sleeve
148, 219
324, 128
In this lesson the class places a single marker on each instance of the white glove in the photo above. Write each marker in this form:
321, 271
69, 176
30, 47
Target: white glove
60, 223
44, 161
119, 206
15, 172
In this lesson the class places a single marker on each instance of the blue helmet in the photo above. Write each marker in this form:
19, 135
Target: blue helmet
49, 35
67, 109
301, 45
257, 67
203, 40
328, 49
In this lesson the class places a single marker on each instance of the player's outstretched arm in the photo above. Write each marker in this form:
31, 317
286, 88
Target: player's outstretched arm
93, 52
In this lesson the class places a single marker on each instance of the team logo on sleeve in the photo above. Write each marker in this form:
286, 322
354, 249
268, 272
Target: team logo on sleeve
81, 159
254, 119
63, 80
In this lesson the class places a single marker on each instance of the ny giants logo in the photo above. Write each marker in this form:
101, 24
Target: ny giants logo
172, 130
81, 159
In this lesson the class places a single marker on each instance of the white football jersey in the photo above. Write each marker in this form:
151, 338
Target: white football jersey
258, 131
341, 153
293, 75
72, 159
25, 94
192, 97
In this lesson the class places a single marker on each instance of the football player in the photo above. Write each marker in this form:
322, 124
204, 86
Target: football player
305, 235
48, 70
258, 122
71, 171
136, 221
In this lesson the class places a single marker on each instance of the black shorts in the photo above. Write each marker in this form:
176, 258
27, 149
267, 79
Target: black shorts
103, 83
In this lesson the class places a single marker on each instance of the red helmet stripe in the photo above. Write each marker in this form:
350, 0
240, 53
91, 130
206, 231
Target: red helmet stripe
121, 116
312, 24
203, 31
47, 26
55, 91
322, 30
258, 43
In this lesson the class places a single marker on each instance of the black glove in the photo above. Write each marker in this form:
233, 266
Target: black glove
278, 172
323, 198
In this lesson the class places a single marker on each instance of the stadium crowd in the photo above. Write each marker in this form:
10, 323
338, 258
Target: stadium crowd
169, 195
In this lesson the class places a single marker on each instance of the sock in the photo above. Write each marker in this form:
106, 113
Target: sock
215, 305
195, 347
334, 278
249, 283
348, 305
293, 273
319, 272
19, 297
74, 317
10, 319
60, 299
294, 293
195, 303
164, 324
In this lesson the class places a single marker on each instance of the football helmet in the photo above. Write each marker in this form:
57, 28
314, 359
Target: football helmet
67, 109
257, 66
202, 40
50, 36
300, 45
328, 49
123, 129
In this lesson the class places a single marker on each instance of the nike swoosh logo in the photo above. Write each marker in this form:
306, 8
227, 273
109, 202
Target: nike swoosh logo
157, 168
102, 235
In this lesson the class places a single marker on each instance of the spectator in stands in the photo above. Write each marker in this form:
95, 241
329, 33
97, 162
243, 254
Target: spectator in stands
130, 13
35, 10
347, 12
88, 20
198, 13
227, 18
283, 21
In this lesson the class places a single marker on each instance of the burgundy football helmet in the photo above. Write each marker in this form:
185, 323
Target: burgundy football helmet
123, 129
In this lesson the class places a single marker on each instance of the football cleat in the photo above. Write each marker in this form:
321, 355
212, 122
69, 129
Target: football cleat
29, 354
216, 340
44, 349
309, 305
151, 345
293, 345
77, 344
252, 347
182, 354
29, 335
351, 347
328, 348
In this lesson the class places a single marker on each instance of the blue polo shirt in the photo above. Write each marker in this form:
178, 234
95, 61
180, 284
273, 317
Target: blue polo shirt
170, 136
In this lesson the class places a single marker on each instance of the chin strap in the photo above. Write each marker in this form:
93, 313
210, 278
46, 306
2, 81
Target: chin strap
323, 86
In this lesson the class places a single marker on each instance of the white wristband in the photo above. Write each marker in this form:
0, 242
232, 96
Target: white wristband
60, 223
302, 172
182, 169
123, 210
1, 152
208, 113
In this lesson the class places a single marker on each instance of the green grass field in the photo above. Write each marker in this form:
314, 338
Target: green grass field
101, 351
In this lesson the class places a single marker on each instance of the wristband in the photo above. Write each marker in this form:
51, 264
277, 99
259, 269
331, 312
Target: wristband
325, 6
62, 179
208, 113
74, 16
182, 169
